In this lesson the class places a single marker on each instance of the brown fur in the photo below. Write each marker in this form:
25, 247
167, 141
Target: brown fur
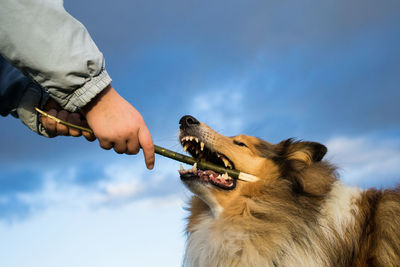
289, 217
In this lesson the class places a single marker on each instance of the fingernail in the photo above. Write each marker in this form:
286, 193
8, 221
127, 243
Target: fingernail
150, 166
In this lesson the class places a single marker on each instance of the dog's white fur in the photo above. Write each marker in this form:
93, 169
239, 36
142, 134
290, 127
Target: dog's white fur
207, 246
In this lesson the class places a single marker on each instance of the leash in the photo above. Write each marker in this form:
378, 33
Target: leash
236, 174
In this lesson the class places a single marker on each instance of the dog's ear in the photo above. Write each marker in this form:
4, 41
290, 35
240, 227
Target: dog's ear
307, 152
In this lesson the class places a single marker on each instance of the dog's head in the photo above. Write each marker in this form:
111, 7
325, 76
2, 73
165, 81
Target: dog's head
281, 164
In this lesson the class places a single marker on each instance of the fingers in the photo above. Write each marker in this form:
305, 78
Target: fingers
133, 146
105, 144
89, 136
61, 128
120, 147
146, 142
53, 128
117, 124
74, 118
50, 124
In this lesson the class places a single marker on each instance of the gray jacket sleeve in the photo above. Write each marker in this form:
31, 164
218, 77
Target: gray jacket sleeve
19, 95
48, 45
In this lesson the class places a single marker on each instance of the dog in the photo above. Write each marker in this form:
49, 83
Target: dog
297, 214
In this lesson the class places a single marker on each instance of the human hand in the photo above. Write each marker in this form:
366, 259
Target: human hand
55, 129
117, 124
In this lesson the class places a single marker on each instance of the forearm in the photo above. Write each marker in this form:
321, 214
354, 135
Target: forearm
47, 44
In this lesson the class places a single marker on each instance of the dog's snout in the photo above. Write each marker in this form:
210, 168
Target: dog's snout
188, 121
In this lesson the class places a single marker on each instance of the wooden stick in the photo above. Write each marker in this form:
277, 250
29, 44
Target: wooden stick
64, 122
171, 154
204, 165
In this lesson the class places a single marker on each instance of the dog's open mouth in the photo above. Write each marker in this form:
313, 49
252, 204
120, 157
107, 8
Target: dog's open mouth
199, 150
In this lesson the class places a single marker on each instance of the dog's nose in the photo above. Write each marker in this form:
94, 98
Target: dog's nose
187, 121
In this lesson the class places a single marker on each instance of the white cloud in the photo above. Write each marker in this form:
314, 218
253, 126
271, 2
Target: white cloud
96, 237
366, 161
162, 202
122, 182
124, 189
221, 107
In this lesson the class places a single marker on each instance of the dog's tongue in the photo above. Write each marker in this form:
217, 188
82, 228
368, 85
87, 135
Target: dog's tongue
207, 175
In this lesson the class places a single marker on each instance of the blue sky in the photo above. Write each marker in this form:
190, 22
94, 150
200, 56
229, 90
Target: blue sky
327, 71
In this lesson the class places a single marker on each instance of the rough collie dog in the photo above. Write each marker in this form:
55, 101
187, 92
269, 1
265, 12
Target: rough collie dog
297, 214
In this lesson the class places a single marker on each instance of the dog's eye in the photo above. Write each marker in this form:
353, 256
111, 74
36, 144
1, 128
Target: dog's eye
239, 143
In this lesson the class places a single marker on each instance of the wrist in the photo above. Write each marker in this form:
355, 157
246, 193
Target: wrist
96, 100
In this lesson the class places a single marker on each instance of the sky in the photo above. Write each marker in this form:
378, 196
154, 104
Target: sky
325, 71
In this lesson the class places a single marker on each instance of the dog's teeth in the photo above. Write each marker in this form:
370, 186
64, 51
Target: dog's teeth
225, 176
226, 162
210, 175
196, 139
187, 138
191, 138
181, 168
185, 147
194, 167
218, 155
201, 146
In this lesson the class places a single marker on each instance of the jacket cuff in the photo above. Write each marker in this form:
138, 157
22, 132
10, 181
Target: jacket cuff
34, 96
82, 96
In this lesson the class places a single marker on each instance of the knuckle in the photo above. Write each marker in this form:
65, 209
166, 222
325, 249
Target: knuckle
62, 115
61, 129
90, 138
120, 148
75, 133
135, 151
50, 124
72, 118
51, 134
119, 151
105, 145
105, 139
